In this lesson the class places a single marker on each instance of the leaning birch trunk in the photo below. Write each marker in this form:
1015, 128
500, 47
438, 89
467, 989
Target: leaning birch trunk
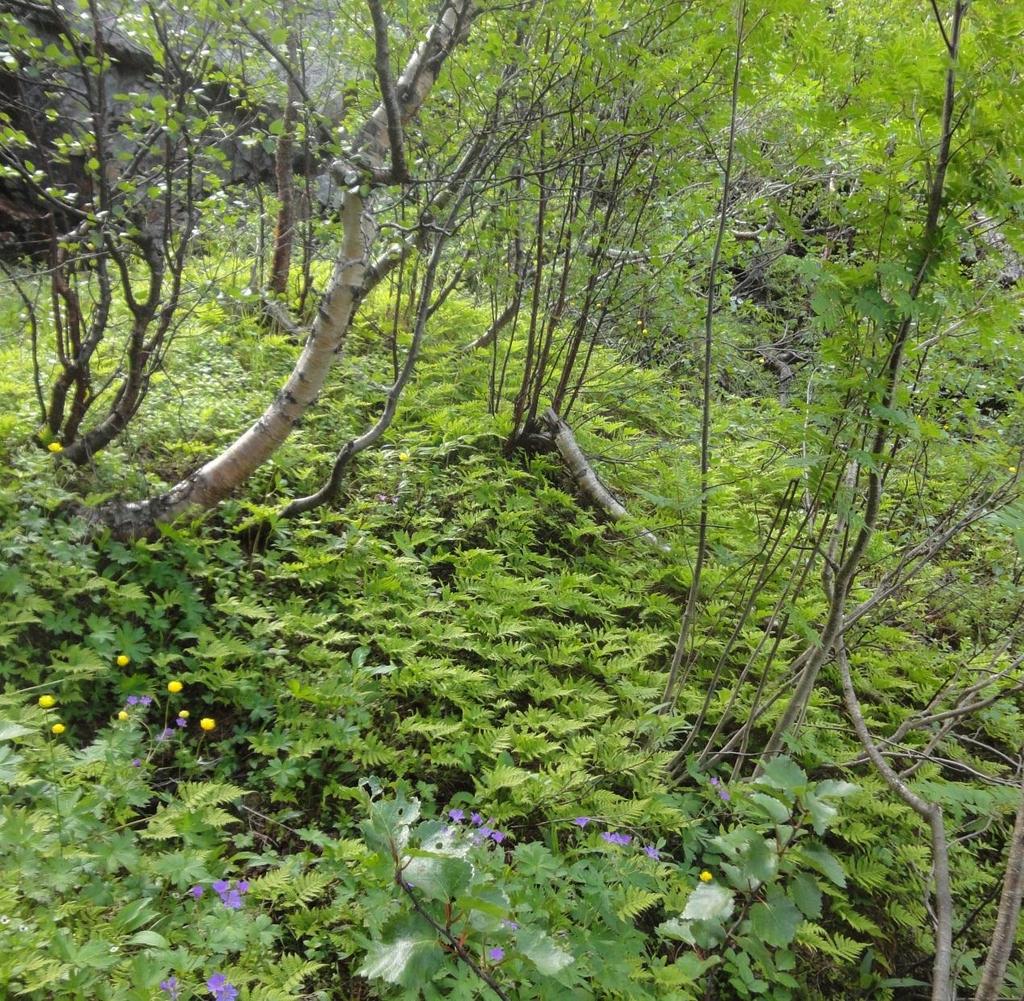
587, 481
223, 474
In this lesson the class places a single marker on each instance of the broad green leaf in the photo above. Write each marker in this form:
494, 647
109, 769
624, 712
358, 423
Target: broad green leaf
539, 948
819, 858
437, 877
775, 921
9, 730
408, 955
708, 902
783, 773
149, 937
776, 810
804, 892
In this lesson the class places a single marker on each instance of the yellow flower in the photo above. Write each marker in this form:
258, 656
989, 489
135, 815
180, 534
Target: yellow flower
206, 723
1012, 469
174, 687
706, 877
122, 715
183, 713
404, 456
55, 446
47, 701
123, 660
57, 728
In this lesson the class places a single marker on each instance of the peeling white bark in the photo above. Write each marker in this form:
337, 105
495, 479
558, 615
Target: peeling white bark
587, 481
223, 474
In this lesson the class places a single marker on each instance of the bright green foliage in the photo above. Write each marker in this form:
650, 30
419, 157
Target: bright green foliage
465, 631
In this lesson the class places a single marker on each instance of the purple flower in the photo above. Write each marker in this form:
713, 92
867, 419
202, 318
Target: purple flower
723, 793
145, 700
230, 896
476, 818
616, 839
133, 700
457, 815
165, 733
170, 988
651, 852
581, 821
496, 955
497, 837
136, 762
181, 721
221, 989
511, 925
196, 891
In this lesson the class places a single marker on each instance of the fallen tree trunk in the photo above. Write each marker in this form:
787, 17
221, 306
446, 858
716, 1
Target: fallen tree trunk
587, 481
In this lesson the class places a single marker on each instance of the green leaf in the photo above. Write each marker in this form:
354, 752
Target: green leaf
10, 730
783, 773
777, 811
149, 937
539, 948
708, 902
387, 830
408, 955
775, 921
804, 892
437, 877
819, 858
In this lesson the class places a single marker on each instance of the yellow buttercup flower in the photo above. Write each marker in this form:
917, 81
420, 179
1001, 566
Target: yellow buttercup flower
206, 723
55, 446
123, 660
174, 687
122, 715
706, 877
404, 456
58, 728
183, 714
1012, 469
47, 701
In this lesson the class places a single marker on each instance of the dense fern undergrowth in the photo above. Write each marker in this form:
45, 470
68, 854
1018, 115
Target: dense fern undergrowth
457, 669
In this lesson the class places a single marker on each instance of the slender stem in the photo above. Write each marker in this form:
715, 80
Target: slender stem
457, 947
689, 613
942, 985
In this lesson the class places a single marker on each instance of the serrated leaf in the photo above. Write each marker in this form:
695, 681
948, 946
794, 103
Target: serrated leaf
805, 894
819, 858
776, 810
783, 773
775, 921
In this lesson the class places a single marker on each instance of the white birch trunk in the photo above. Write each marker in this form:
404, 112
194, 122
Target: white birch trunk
223, 474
